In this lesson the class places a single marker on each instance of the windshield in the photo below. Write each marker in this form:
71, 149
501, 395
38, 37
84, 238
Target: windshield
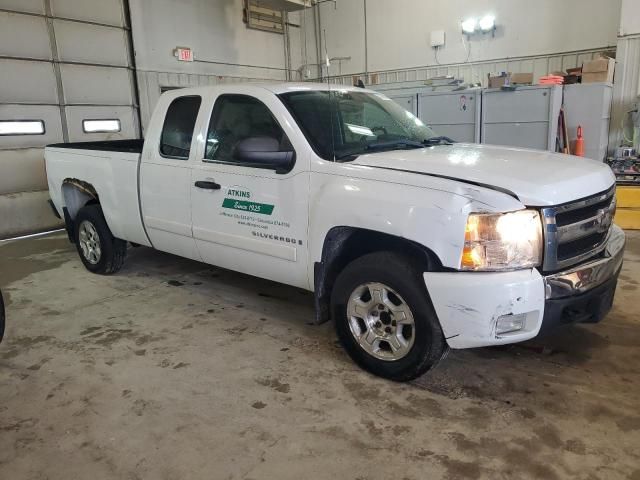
361, 122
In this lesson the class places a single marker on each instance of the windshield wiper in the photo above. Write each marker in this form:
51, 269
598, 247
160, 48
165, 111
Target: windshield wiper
441, 140
394, 144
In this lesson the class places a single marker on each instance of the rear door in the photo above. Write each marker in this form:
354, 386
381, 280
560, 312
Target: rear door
249, 219
165, 176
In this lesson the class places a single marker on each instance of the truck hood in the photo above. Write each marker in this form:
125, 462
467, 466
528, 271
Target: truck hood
536, 177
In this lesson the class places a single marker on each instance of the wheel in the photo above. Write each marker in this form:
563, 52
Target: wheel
99, 250
384, 317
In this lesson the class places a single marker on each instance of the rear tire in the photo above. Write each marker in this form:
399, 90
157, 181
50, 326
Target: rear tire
384, 317
99, 250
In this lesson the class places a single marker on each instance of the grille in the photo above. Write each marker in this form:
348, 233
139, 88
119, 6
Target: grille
578, 230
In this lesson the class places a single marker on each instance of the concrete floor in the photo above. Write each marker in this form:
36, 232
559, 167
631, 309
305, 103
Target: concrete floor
174, 370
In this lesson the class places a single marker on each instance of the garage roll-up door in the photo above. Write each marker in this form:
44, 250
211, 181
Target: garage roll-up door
66, 75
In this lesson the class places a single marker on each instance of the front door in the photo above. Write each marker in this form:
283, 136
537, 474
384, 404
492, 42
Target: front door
246, 218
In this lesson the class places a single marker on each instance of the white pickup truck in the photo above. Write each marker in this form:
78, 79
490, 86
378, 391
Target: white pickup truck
412, 243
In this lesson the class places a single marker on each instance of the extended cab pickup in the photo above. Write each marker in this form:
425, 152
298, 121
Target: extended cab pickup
412, 243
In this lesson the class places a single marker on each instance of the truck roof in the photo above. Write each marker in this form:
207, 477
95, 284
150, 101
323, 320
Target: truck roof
284, 87
275, 87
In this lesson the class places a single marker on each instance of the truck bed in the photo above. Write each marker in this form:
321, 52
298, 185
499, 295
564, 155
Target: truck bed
125, 146
111, 169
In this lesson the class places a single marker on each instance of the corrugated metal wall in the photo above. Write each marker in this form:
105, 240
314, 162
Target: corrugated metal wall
62, 62
626, 89
477, 71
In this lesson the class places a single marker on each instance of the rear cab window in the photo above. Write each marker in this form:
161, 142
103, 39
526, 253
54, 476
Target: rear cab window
177, 130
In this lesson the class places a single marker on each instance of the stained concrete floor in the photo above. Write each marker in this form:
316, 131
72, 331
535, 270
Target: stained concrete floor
175, 370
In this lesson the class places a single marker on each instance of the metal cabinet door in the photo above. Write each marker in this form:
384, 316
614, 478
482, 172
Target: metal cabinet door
522, 105
454, 114
525, 135
449, 108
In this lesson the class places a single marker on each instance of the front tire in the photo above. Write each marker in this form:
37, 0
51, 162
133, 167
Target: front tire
99, 250
384, 317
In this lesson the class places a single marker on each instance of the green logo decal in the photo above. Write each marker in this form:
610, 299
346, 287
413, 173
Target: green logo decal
251, 207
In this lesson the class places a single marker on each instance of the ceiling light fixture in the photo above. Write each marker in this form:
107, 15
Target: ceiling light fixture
487, 23
469, 26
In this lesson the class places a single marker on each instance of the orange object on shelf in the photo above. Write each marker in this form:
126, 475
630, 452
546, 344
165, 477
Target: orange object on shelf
579, 148
551, 80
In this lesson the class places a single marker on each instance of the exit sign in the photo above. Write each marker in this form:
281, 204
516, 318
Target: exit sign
183, 54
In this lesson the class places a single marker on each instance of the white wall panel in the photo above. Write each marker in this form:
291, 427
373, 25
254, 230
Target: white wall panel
26, 212
96, 85
303, 43
27, 81
213, 29
343, 32
398, 32
76, 114
31, 6
630, 18
24, 36
87, 43
52, 124
100, 11
22, 170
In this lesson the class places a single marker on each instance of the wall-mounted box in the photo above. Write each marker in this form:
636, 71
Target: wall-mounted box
437, 38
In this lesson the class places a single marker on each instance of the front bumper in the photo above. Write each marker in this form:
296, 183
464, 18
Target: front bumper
470, 304
584, 294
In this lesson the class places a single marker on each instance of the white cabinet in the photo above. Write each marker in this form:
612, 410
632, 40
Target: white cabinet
589, 105
524, 117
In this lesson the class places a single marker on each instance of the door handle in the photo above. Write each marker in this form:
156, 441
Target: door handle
207, 184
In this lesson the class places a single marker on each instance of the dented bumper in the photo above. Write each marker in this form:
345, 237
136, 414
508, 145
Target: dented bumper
473, 307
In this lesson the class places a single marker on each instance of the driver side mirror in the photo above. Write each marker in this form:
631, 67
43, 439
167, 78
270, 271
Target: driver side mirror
264, 152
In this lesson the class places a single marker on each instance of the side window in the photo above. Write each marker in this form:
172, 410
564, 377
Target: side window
175, 140
236, 117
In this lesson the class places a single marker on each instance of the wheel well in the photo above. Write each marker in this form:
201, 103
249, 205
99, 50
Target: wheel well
76, 194
343, 245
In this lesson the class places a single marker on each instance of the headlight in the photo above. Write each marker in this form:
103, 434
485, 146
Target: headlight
502, 241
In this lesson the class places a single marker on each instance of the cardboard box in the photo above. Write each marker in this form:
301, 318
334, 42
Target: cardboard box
598, 70
498, 81
522, 78
574, 75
